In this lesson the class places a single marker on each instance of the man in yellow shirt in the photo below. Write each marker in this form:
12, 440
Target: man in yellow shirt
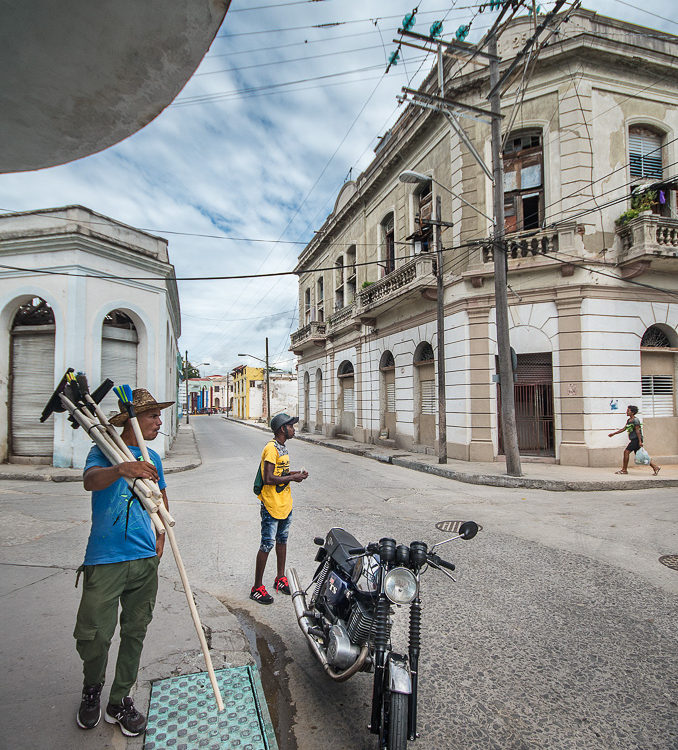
276, 506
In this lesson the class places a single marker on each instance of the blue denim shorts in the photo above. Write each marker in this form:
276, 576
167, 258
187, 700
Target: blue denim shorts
273, 529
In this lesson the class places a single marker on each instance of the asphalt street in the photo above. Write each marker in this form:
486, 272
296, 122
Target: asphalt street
560, 632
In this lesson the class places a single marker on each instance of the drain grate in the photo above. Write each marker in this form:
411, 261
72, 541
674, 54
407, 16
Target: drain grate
671, 561
452, 527
183, 715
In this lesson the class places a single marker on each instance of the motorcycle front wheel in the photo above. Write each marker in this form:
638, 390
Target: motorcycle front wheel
394, 722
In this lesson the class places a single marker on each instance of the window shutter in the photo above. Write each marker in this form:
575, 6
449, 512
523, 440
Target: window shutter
349, 400
428, 397
390, 398
657, 393
645, 153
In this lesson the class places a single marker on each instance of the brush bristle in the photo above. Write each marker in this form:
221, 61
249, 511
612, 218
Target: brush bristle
129, 393
120, 392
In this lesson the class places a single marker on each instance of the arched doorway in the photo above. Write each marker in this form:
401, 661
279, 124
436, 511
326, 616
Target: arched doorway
658, 367
346, 401
119, 341
426, 399
318, 399
31, 381
307, 388
387, 400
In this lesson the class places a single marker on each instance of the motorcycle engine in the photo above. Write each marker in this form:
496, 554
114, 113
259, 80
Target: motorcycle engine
341, 653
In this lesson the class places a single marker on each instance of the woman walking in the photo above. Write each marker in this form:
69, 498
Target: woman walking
632, 426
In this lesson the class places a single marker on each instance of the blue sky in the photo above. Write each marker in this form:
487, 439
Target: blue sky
239, 155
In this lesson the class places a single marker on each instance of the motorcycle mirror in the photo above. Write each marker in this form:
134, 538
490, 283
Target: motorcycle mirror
319, 541
468, 530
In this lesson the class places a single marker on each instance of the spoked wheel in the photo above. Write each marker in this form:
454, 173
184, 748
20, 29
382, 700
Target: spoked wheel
394, 722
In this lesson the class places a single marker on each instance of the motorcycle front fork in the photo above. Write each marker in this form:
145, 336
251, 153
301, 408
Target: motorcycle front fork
380, 664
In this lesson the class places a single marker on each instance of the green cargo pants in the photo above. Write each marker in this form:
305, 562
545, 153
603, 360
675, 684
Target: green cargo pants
134, 584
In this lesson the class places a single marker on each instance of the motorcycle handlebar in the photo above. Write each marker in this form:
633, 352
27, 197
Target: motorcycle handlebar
440, 562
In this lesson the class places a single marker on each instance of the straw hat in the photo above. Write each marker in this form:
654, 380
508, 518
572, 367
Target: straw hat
143, 401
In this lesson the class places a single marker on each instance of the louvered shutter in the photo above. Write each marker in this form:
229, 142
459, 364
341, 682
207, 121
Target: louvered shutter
428, 397
645, 154
118, 362
32, 386
390, 398
349, 401
657, 393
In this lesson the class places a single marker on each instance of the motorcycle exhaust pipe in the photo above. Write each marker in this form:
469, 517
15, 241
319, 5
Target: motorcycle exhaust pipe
300, 609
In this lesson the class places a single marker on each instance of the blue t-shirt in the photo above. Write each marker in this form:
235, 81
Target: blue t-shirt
115, 536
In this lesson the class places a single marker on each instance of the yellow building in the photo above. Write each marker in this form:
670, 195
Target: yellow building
248, 392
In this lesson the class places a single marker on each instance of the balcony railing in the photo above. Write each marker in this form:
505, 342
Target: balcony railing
541, 243
419, 272
341, 319
311, 333
648, 236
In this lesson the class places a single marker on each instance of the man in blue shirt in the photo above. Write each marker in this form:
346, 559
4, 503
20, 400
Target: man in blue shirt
120, 567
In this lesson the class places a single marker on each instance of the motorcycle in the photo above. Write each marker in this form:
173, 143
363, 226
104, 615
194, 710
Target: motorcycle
347, 621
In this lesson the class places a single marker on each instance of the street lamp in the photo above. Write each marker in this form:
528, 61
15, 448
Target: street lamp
416, 177
186, 379
268, 382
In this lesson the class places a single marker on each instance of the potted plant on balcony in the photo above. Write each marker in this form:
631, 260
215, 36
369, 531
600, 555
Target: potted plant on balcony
642, 203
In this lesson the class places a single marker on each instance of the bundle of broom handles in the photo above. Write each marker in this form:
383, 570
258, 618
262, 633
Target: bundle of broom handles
87, 413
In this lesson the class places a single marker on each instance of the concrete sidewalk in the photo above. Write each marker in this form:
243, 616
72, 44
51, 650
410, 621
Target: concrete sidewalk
183, 455
536, 475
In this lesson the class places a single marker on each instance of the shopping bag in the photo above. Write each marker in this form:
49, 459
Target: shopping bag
642, 457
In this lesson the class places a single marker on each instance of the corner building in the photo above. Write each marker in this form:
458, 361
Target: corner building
590, 147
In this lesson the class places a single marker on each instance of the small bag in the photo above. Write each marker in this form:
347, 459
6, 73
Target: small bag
258, 482
642, 457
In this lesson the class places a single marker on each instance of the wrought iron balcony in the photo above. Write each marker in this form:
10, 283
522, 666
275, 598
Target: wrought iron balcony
312, 334
415, 277
648, 238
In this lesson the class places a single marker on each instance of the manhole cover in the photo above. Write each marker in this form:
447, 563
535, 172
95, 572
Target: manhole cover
671, 561
452, 527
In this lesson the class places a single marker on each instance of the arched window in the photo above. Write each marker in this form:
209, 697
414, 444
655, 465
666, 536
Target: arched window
339, 283
345, 369
388, 243
119, 340
658, 367
645, 153
523, 181
387, 395
422, 237
31, 380
426, 394
320, 299
318, 398
423, 354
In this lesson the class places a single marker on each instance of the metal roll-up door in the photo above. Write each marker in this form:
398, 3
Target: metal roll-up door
118, 361
32, 384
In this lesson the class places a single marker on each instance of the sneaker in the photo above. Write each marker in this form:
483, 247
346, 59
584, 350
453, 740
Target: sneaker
89, 713
282, 585
130, 720
261, 595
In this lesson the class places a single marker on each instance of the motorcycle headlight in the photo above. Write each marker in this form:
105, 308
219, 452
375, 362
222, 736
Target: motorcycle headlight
400, 585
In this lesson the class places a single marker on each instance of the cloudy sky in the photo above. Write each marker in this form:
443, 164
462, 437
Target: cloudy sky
254, 150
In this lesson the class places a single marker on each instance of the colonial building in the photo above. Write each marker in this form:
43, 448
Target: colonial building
81, 290
590, 147
248, 392
210, 393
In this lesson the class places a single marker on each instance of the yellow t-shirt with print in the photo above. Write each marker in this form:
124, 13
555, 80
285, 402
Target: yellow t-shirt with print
277, 498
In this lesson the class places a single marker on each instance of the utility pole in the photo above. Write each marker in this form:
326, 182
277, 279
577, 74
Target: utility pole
186, 380
508, 408
442, 399
268, 387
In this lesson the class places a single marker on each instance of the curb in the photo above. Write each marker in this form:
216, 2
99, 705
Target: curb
490, 480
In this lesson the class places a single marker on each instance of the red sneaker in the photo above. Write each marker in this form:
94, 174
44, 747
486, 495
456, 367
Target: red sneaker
261, 595
282, 585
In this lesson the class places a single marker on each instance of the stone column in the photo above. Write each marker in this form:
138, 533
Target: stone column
481, 368
573, 450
